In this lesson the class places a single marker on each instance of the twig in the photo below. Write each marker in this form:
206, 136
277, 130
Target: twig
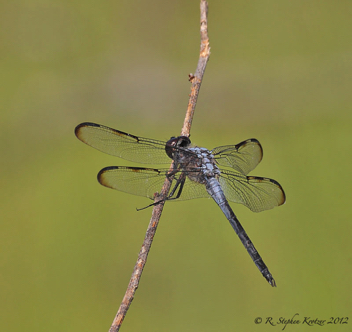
196, 80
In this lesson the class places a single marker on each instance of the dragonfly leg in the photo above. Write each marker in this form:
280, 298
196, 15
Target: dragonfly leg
178, 186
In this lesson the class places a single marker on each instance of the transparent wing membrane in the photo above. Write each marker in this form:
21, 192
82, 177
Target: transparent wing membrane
123, 145
146, 182
242, 157
257, 193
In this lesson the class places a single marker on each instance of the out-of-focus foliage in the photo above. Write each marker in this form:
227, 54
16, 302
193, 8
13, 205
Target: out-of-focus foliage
280, 71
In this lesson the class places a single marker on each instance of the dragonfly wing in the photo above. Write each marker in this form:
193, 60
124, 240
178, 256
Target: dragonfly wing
123, 145
242, 157
146, 182
256, 193
133, 180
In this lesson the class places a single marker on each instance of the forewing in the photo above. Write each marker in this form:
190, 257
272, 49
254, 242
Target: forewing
257, 193
242, 157
123, 145
146, 182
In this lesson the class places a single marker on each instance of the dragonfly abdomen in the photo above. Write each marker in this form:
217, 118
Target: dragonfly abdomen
215, 191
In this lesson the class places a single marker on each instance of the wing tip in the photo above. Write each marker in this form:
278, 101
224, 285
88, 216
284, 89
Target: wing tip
100, 176
281, 198
78, 129
252, 140
283, 195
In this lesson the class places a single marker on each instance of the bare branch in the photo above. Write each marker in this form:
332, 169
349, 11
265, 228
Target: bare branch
197, 78
196, 81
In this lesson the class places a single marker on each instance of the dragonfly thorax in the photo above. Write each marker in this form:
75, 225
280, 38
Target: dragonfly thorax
198, 163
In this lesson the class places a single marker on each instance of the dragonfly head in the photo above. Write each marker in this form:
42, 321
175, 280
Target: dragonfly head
174, 143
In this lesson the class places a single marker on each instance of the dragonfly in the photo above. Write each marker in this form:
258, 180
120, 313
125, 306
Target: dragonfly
220, 173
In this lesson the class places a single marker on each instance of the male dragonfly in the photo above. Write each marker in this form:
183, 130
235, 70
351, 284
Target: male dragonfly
196, 173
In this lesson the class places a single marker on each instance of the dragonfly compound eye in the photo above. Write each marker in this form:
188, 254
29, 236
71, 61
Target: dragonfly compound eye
176, 142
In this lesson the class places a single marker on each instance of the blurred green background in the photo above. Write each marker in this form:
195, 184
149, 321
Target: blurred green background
279, 71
